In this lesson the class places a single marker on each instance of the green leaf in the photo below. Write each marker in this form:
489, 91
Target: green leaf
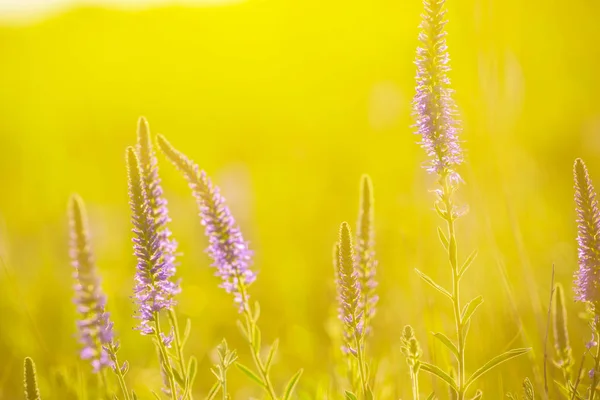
213, 391
470, 308
431, 396
493, 363
350, 396
437, 371
256, 339
256, 311
242, 329
291, 385
250, 374
133, 395
180, 379
192, 370
272, 352
467, 263
186, 332
442, 237
447, 342
433, 284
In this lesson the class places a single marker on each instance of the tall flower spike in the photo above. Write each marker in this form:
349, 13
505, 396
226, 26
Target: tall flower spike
365, 252
154, 291
154, 191
348, 292
30, 382
95, 328
561, 333
227, 247
587, 281
433, 106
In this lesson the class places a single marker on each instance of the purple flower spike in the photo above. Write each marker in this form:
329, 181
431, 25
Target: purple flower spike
227, 247
95, 328
348, 292
587, 279
154, 191
433, 106
154, 291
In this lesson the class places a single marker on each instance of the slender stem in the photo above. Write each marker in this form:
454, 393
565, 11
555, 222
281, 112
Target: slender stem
117, 370
166, 363
175, 325
361, 363
415, 384
255, 354
596, 364
224, 385
453, 259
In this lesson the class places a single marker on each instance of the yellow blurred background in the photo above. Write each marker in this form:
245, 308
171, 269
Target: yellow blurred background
286, 103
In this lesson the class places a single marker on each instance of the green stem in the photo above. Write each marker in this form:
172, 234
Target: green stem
596, 364
166, 363
453, 259
178, 345
415, 384
361, 363
117, 371
264, 375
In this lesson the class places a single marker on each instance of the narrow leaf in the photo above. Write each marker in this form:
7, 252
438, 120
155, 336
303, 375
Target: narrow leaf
186, 332
250, 374
350, 396
443, 238
289, 388
433, 284
214, 390
447, 342
495, 362
272, 352
470, 308
256, 339
192, 370
180, 379
431, 396
133, 395
467, 263
437, 371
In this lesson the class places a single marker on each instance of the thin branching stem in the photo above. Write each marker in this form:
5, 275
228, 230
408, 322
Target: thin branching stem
166, 363
453, 259
179, 347
252, 325
117, 370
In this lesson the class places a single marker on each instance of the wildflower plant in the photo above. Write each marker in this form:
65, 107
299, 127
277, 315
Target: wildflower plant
154, 288
366, 263
412, 351
435, 111
227, 358
587, 283
95, 328
563, 352
232, 260
350, 312
167, 246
